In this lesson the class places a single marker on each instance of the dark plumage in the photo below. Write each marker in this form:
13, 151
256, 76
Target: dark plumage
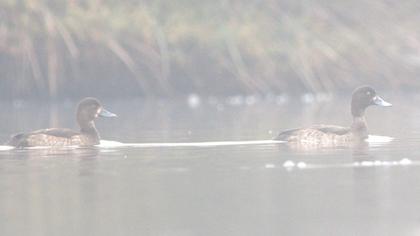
330, 135
87, 111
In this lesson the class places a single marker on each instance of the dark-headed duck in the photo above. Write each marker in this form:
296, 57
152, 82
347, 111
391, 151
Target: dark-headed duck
330, 135
87, 110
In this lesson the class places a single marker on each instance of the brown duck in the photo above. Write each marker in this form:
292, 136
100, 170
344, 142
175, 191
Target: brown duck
331, 135
87, 111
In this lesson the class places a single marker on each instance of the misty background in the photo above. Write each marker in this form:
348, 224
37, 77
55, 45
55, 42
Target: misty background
69, 49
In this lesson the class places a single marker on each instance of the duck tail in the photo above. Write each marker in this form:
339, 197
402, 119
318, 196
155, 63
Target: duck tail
15, 140
285, 135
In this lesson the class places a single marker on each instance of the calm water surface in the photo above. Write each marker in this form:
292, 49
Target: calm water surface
242, 189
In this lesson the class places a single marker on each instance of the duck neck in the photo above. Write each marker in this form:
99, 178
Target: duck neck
89, 129
359, 127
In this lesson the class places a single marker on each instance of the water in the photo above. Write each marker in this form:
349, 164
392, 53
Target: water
152, 185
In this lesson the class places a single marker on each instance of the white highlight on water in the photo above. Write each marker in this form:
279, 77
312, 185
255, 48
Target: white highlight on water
377, 139
402, 162
301, 165
115, 144
194, 100
269, 166
6, 148
290, 165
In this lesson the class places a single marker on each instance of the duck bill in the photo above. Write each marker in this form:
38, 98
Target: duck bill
105, 113
380, 102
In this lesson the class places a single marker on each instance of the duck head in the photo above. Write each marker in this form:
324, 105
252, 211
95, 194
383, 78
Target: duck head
363, 97
88, 110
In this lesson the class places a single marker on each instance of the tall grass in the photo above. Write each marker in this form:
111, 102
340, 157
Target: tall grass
155, 48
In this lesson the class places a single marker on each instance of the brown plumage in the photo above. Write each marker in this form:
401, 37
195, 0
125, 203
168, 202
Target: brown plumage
331, 135
87, 111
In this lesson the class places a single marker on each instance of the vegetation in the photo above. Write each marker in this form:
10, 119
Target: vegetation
67, 48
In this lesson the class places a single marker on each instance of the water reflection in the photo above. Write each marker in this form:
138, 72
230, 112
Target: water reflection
63, 152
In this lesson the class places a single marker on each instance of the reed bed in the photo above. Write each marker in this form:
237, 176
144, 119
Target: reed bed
168, 48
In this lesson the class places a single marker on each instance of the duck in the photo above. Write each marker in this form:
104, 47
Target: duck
332, 135
88, 110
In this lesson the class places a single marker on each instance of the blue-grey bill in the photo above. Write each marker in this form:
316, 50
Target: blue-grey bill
105, 113
380, 102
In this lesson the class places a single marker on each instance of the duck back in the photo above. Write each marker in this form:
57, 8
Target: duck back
53, 137
320, 134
